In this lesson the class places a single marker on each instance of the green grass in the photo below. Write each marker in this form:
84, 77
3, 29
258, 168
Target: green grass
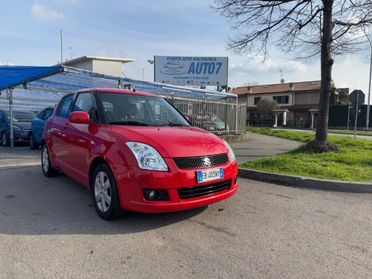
350, 132
352, 163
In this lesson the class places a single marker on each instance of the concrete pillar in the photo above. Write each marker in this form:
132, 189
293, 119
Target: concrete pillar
312, 121
276, 120
285, 118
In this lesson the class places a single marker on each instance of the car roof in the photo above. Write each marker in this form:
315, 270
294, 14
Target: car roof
118, 91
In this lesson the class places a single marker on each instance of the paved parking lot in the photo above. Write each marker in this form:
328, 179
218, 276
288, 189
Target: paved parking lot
48, 229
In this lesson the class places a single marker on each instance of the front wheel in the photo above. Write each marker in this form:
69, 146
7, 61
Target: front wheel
46, 166
104, 193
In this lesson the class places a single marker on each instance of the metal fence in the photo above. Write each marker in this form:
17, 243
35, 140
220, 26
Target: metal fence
218, 116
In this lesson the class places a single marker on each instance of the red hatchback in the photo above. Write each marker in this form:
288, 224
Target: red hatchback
136, 152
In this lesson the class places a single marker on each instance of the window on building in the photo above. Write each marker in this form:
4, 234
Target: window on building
281, 99
256, 100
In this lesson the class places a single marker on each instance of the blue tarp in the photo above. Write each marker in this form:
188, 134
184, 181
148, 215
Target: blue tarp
44, 86
11, 76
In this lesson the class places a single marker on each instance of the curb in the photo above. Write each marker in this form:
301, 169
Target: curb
234, 138
8, 166
305, 182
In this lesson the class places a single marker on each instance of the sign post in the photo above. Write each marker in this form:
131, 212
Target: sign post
10, 96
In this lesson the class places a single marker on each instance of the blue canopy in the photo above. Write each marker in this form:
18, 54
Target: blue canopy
44, 86
11, 76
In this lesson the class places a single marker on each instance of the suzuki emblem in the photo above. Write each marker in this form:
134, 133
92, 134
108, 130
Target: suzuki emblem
207, 162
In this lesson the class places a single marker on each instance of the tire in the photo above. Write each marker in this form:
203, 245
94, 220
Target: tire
104, 193
46, 166
32, 143
4, 140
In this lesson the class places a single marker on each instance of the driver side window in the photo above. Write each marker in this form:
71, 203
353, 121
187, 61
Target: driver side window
84, 102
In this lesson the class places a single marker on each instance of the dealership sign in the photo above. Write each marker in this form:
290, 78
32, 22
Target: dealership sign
187, 70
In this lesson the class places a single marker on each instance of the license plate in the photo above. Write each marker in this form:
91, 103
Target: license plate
209, 175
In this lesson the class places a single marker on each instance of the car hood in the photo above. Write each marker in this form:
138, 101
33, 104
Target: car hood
22, 125
174, 141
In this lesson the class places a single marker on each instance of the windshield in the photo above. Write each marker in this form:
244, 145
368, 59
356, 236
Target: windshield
20, 116
138, 110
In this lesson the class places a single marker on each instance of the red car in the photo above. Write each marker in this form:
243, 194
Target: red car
136, 152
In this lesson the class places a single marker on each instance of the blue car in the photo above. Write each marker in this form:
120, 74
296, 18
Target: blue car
37, 127
21, 126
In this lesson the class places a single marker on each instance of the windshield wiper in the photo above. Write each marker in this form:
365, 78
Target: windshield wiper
172, 124
128, 122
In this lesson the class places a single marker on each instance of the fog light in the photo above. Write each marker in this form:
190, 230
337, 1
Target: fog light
155, 195
151, 195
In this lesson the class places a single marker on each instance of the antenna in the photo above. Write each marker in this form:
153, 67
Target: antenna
281, 76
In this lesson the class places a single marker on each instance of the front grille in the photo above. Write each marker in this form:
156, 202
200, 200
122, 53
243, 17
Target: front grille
201, 161
197, 191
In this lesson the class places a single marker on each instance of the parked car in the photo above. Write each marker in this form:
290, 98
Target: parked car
136, 152
37, 127
209, 122
21, 126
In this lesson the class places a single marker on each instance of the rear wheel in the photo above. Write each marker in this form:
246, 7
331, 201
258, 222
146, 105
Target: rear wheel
47, 168
104, 193
4, 139
31, 141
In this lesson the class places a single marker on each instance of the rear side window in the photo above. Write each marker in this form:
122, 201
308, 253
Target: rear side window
65, 107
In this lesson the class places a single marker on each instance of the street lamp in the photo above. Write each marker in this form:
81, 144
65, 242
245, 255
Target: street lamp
369, 85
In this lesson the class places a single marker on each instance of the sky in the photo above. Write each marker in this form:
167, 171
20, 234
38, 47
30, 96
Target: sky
140, 29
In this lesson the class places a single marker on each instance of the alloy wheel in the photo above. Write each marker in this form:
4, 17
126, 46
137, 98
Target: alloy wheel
45, 159
102, 191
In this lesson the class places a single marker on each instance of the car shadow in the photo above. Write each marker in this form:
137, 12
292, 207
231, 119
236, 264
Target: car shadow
31, 204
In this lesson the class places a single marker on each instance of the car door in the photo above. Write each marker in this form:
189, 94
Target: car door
81, 138
47, 114
37, 126
59, 125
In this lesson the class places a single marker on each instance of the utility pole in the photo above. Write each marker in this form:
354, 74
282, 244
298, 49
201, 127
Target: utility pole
60, 33
10, 96
356, 114
369, 85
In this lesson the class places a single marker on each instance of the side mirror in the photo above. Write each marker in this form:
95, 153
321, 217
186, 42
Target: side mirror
79, 117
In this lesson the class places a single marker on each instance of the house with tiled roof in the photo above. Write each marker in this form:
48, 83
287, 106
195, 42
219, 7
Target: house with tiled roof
298, 102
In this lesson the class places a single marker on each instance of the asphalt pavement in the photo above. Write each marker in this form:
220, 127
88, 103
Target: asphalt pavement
49, 229
259, 146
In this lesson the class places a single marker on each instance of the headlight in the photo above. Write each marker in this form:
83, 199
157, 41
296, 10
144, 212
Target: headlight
147, 157
231, 152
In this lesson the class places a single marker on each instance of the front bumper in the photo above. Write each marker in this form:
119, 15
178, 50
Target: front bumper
21, 138
131, 185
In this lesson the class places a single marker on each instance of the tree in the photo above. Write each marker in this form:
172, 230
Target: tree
314, 27
265, 108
